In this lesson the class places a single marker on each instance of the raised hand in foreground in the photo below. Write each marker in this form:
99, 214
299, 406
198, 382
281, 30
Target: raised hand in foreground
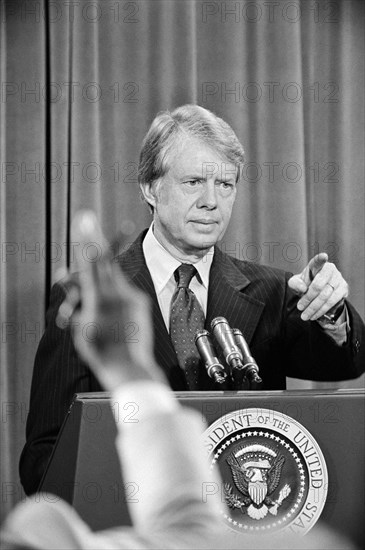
107, 307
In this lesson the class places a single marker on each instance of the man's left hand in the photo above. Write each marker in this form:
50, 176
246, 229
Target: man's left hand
321, 285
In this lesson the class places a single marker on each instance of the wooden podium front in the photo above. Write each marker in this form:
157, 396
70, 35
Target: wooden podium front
84, 468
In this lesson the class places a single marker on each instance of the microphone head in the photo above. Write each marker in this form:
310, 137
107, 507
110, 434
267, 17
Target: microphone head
205, 346
218, 320
200, 333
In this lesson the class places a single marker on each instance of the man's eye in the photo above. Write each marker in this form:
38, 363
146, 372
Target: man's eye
226, 185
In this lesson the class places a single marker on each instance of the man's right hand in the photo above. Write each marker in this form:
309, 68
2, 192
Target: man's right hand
110, 307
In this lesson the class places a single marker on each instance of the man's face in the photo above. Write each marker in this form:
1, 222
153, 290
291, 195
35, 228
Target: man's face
193, 201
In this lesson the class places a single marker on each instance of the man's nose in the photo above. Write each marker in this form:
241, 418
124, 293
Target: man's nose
208, 196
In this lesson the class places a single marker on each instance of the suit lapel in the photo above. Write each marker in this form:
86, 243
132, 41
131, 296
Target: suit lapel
226, 297
135, 268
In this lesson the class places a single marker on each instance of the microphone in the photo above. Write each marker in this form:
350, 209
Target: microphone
249, 363
205, 347
232, 354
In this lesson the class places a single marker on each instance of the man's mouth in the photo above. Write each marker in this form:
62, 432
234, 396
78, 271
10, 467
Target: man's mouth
205, 221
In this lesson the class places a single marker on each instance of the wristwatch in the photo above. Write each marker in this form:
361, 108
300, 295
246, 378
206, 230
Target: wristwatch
333, 314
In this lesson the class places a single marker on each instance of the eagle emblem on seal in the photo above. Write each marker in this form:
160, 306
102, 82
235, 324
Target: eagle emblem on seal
256, 471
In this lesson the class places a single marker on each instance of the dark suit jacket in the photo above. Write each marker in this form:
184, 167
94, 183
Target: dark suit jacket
256, 299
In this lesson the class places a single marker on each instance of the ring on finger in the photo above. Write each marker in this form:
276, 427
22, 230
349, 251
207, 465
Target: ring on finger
333, 288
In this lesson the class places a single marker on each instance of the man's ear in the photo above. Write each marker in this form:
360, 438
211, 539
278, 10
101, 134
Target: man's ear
148, 192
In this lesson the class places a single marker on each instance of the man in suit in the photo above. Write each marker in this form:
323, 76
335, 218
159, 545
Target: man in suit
162, 452
298, 326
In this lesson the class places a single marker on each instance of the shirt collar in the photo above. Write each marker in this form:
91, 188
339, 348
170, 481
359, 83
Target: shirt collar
162, 264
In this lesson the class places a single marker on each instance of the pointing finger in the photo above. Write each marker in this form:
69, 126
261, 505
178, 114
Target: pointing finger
317, 262
86, 230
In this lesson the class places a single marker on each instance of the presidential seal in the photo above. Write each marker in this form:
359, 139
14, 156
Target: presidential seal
273, 471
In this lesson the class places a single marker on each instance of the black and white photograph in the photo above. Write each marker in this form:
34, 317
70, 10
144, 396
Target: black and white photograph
182, 217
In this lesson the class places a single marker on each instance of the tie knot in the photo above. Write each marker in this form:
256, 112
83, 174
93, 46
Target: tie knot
183, 275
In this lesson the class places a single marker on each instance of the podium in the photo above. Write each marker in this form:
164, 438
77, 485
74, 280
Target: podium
84, 468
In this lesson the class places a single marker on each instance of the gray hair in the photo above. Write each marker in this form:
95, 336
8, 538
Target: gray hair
188, 120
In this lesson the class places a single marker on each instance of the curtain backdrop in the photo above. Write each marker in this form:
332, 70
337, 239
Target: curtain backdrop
80, 85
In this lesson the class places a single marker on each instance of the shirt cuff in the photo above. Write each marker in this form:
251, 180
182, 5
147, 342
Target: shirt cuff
138, 400
339, 331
